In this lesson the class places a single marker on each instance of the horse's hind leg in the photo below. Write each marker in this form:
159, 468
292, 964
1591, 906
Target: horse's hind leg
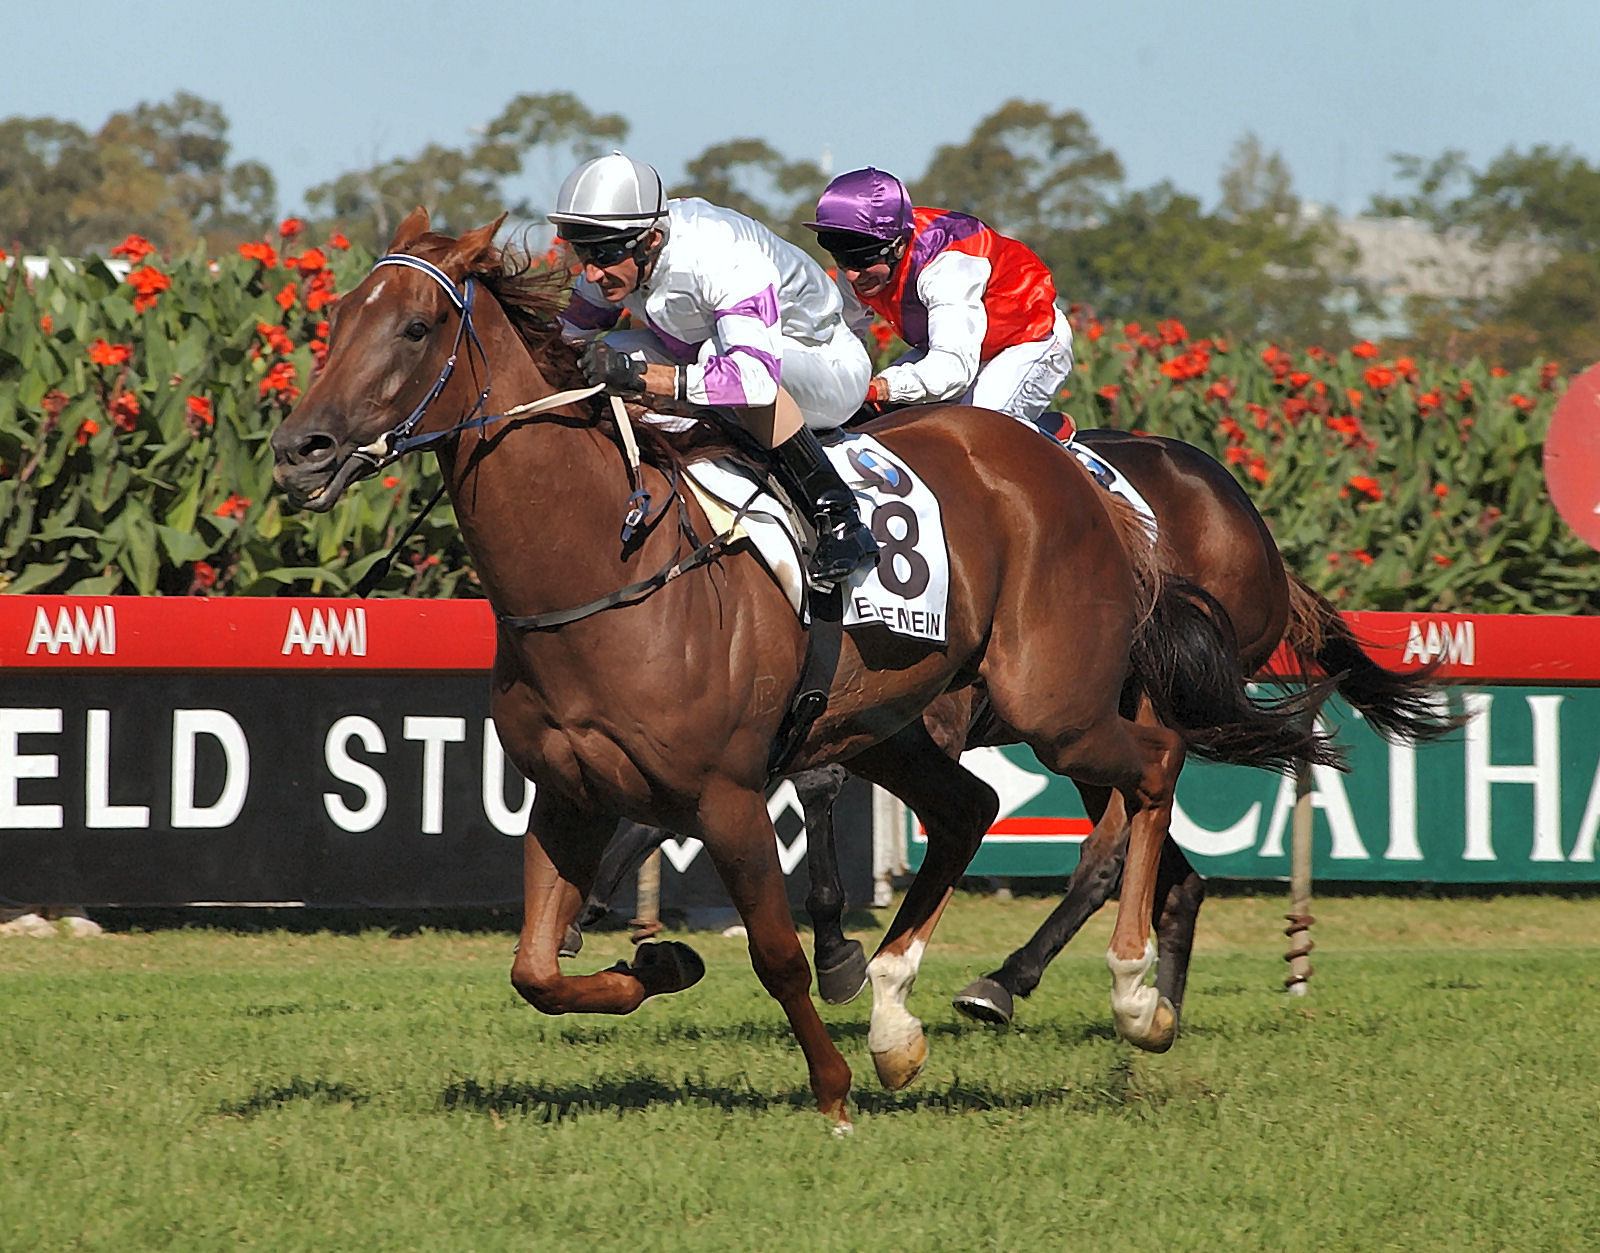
841, 963
1094, 881
1180, 891
739, 837
957, 809
560, 855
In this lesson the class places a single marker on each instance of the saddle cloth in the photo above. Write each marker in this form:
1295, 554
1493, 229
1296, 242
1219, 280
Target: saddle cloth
908, 590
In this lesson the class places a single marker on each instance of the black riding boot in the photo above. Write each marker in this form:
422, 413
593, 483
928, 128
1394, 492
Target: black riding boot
844, 545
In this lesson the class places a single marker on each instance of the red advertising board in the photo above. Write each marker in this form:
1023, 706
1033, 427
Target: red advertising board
245, 633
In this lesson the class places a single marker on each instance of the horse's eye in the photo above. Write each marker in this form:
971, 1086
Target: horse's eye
416, 329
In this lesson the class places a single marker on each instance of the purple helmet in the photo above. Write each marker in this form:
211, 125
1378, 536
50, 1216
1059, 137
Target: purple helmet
865, 202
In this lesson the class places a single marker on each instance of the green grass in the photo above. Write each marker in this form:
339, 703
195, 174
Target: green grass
214, 1089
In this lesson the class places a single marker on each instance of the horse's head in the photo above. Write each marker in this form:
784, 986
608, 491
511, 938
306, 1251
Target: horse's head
389, 342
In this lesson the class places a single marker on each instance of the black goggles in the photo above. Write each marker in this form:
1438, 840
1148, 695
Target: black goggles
604, 252
853, 252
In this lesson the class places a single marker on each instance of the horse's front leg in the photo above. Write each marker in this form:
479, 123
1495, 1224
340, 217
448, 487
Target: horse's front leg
561, 854
738, 834
841, 963
956, 807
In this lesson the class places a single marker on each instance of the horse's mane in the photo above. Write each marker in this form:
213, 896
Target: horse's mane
533, 298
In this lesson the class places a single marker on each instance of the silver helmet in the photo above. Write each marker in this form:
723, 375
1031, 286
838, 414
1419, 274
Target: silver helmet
610, 195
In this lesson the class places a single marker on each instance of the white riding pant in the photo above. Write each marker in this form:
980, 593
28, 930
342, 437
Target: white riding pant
827, 381
1023, 379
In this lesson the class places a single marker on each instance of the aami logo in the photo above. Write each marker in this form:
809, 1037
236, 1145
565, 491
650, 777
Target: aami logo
1458, 646
76, 631
327, 633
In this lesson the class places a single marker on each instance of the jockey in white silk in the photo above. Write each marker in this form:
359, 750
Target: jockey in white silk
725, 315
741, 310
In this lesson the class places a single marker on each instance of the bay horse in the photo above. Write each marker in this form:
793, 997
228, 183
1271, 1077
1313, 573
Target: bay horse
1212, 534
658, 699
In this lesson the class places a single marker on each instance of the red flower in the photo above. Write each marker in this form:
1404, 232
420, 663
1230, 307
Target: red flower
1406, 368
1299, 378
102, 353
1366, 348
1498, 372
391, 480
1379, 377
87, 428
1235, 455
1440, 490
337, 240
205, 576
124, 409
1363, 556
262, 252
1439, 559
147, 281
1221, 390
282, 382
1258, 468
1110, 391
1429, 402
1172, 331
1095, 331
285, 298
310, 261
1354, 397
234, 507
1464, 392
200, 409
1519, 401
882, 332
1367, 486
135, 247
290, 227
277, 338
45, 323
1548, 374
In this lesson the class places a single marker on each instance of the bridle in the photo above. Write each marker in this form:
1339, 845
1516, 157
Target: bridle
401, 439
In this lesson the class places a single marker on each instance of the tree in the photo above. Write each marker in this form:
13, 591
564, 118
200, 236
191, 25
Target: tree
468, 186
1545, 202
753, 178
1028, 172
157, 170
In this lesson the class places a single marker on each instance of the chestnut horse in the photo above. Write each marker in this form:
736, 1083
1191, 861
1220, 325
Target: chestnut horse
645, 678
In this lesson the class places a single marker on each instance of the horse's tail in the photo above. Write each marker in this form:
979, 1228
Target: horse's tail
1402, 706
1186, 659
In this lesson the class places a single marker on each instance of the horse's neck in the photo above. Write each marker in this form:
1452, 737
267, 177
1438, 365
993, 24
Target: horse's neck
540, 499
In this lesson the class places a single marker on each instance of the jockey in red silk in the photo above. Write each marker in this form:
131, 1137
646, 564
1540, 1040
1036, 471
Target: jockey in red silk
977, 308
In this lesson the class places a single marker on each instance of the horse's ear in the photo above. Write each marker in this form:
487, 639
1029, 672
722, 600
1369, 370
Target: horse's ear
467, 250
412, 229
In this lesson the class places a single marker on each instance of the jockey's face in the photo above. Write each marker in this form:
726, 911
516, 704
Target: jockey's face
869, 280
619, 277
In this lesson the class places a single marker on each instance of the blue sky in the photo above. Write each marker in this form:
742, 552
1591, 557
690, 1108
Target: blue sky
314, 90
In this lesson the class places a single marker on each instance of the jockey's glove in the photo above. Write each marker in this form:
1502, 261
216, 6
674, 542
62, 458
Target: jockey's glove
617, 372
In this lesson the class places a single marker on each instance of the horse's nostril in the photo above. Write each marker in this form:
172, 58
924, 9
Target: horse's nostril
312, 446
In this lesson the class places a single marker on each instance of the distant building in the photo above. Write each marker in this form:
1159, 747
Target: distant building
1400, 258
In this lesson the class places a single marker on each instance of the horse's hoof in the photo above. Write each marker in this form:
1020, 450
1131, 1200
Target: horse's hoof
898, 1067
669, 966
985, 1000
1155, 1032
571, 943
841, 983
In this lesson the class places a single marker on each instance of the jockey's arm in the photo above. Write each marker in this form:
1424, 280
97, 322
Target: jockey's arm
587, 314
951, 287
